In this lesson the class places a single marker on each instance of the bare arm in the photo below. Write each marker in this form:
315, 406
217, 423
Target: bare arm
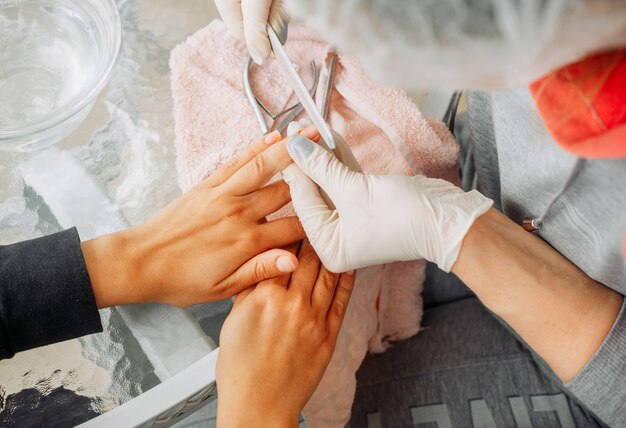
554, 306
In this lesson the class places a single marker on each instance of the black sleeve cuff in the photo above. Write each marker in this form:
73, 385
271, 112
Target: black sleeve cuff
45, 293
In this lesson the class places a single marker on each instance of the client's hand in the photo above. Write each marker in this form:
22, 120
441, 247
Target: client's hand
276, 343
207, 245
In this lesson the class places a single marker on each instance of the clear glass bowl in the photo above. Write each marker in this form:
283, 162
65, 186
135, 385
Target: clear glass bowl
55, 58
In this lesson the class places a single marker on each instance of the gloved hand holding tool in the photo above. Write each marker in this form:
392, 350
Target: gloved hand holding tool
378, 219
247, 20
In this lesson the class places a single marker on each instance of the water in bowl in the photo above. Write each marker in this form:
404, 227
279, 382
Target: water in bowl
47, 54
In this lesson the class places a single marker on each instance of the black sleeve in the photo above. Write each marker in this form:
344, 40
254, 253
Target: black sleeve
45, 293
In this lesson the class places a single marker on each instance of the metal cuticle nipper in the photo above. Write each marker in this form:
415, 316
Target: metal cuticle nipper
259, 108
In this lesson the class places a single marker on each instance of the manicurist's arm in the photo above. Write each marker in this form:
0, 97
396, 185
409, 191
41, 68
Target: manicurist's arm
554, 306
575, 324
571, 321
208, 245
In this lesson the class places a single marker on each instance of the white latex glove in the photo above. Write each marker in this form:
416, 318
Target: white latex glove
379, 218
247, 20
297, 125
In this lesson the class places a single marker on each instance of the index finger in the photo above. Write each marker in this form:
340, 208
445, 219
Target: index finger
257, 147
259, 170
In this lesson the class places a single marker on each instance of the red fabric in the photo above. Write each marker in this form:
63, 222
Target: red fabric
584, 105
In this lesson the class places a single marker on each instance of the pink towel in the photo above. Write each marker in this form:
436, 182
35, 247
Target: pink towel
384, 129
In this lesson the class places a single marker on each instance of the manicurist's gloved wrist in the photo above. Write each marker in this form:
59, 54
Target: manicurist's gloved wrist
378, 219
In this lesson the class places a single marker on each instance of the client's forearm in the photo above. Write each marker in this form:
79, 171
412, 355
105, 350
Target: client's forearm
555, 307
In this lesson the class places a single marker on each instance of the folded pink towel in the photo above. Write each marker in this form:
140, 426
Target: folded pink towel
384, 129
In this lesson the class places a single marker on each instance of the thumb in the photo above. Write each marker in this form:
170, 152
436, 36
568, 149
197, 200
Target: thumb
267, 265
322, 167
320, 222
230, 10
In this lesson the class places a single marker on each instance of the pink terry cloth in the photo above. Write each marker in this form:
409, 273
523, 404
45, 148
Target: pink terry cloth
384, 129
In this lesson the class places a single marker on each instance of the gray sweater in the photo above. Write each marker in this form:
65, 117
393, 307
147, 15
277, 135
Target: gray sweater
519, 165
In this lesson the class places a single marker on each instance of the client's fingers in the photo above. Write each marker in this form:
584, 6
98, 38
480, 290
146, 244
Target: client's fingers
269, 264
339, 305
240, 159
303, 279
259, 170
281, 232
324, 291
269, 199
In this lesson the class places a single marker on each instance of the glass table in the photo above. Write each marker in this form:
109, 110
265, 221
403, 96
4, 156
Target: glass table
125, 150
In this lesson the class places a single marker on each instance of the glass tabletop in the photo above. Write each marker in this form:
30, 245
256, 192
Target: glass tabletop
125, 151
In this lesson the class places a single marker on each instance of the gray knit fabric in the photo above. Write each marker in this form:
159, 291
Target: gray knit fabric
600, 385
463, 370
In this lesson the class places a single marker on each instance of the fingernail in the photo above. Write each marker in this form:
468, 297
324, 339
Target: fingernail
285, 264
351, 272
272, 137
300, 146
309, 132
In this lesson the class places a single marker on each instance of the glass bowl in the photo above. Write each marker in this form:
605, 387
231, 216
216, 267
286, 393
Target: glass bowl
55, 58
